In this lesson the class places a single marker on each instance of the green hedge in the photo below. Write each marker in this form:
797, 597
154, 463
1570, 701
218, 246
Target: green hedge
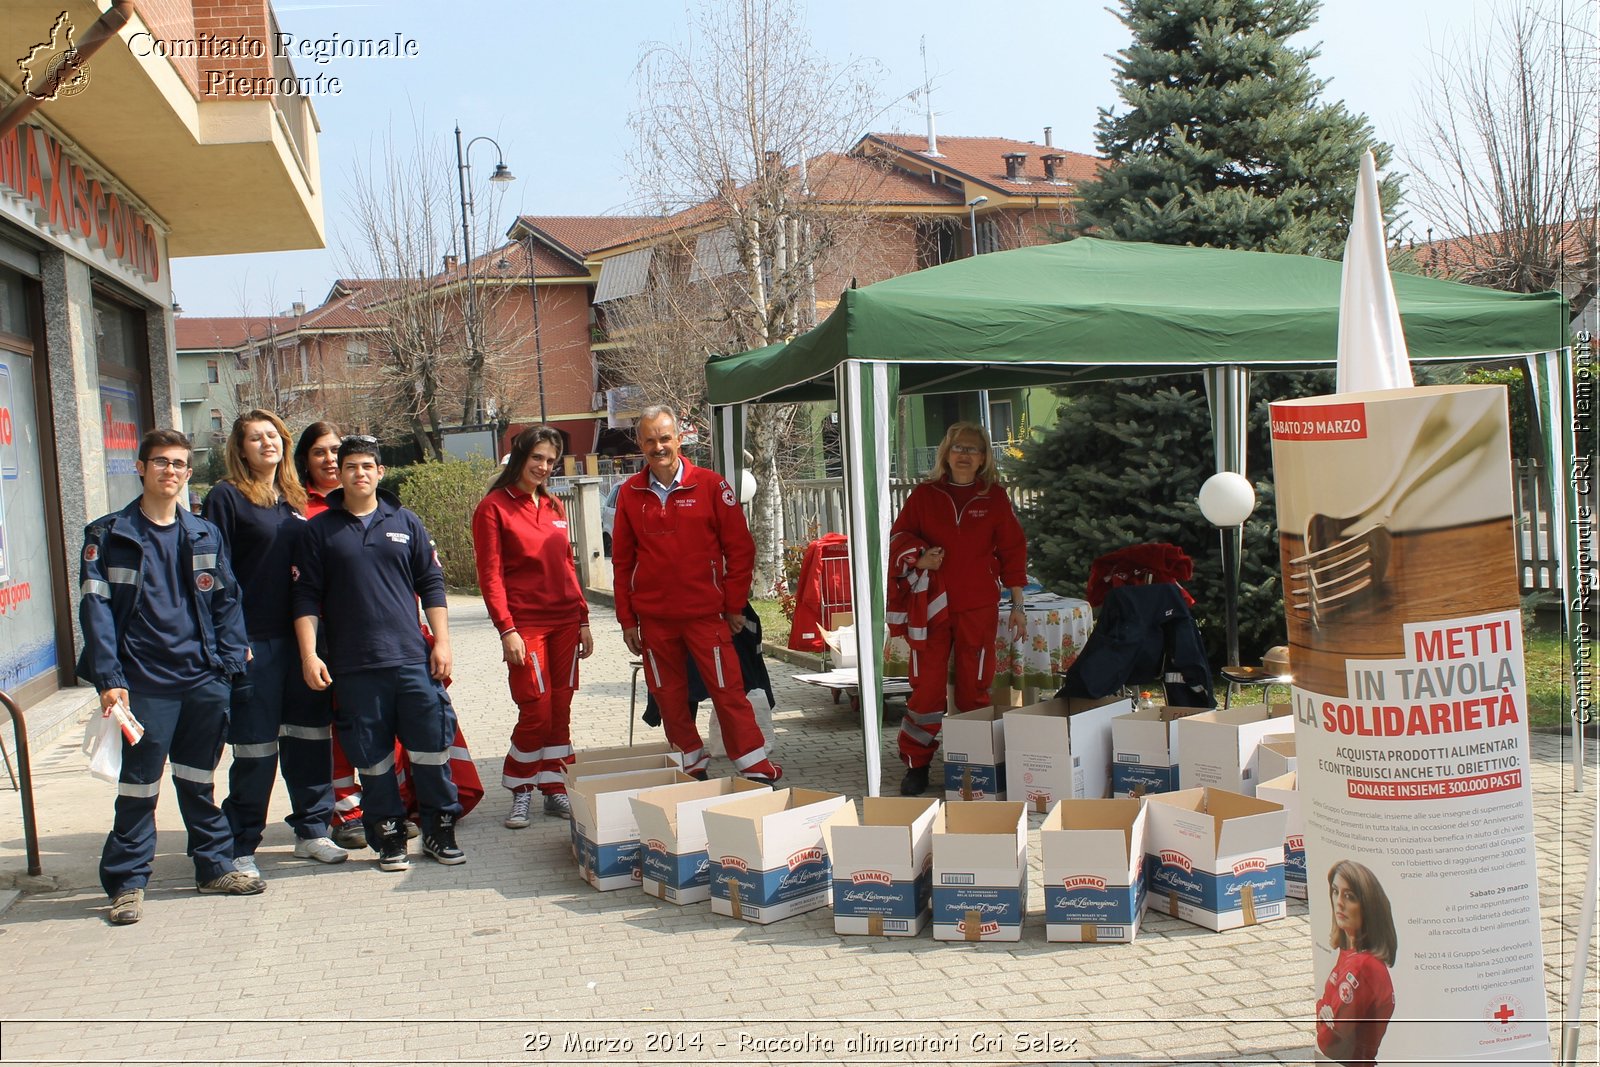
444, 495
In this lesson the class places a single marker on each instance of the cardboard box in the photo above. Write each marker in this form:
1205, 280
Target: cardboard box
1218, 749
980, 871
1144, 751
647, 748
604, 834
1276, 758
974, 755
1060, 749
1285, 790
672, 836
1094, 884
1215, 858
882, 865
600, 768
768, 856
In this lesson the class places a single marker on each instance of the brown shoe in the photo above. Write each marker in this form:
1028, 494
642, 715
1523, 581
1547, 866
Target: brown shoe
233, 884
127, 907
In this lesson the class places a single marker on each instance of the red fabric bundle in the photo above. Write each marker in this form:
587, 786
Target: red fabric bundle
1139, 565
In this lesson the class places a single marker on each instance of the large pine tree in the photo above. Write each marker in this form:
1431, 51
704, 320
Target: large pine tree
1222, 141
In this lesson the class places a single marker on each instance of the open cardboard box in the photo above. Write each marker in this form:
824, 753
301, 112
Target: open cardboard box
1285, 790
672, 836
769, 859
882, 865
980, 871
1219, 748
1060, 748
974, 745
1144, 750
1215, 858
604, 832
1094, 885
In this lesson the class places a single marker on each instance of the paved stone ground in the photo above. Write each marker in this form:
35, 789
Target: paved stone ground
511, 958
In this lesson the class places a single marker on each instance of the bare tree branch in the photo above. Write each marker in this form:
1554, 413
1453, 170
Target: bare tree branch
1505, 159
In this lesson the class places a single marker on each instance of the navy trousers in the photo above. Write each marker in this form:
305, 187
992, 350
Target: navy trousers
278, 721
376, 708
189, 729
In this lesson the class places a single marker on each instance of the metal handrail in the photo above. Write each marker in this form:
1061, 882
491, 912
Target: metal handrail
30, 828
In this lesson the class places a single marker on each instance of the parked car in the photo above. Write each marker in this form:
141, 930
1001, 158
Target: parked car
608, 516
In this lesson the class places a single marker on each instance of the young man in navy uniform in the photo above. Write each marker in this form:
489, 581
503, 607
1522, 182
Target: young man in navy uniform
361, 566
163, 633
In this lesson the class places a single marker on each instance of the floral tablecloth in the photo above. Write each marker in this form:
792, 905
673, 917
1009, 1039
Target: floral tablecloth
1058, 626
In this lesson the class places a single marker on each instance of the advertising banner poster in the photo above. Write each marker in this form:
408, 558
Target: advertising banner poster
1400, 587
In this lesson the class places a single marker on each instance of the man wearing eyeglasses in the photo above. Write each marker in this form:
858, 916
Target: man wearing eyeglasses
163, 635
362, 566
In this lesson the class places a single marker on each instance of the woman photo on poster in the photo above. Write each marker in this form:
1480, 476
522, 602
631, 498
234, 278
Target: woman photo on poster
1358, 1000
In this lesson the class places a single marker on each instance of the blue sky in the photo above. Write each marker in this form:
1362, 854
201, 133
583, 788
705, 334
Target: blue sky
555, 84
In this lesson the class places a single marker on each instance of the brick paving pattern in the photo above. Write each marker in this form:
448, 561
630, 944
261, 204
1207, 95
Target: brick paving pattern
512, 958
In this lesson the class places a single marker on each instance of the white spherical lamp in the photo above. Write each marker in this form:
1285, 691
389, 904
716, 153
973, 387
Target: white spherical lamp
1227, 499
747, 487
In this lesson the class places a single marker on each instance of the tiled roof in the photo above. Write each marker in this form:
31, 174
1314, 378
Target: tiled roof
832, 178
981, 160
1572, 242
582, 234
198, 334
511, 261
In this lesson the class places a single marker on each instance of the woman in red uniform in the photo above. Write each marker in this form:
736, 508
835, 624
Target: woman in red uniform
955, 544
525, 572
1358, 999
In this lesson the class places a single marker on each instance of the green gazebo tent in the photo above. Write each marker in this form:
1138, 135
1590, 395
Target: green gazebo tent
1088, 310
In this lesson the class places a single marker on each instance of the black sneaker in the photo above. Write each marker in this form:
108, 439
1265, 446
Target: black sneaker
440, 842
915, 783
392, 846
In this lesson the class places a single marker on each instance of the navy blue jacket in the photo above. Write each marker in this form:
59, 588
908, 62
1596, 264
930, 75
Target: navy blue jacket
365, 583
113, 573
260, 546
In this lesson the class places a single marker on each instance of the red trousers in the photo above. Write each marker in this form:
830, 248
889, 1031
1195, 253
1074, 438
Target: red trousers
970, 636
668, 645
541, 742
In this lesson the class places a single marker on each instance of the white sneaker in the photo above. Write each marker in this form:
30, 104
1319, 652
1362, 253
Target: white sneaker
320, 849
246, 865
520, 803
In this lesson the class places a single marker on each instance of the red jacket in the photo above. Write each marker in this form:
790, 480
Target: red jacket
985, 549
688, 559
524, 559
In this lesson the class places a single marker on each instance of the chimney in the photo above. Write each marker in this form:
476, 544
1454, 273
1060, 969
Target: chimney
297, 309
451, 262
1052, 161
1015, 161
1047, 142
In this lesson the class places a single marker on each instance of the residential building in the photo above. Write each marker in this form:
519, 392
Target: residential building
113, 160
914, 204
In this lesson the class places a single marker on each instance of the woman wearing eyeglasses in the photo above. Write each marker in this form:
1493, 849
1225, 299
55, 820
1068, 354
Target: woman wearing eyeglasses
525, 571
260, 509
955, 544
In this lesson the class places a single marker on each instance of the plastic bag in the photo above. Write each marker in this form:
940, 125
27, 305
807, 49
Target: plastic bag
102, 743
102, 740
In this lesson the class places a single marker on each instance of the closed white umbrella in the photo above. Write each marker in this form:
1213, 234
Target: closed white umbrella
1372, 348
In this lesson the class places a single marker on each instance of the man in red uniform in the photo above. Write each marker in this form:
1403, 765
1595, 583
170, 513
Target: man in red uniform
681, 558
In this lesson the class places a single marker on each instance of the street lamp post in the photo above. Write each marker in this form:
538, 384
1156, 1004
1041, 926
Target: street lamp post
983, 394
501, 175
